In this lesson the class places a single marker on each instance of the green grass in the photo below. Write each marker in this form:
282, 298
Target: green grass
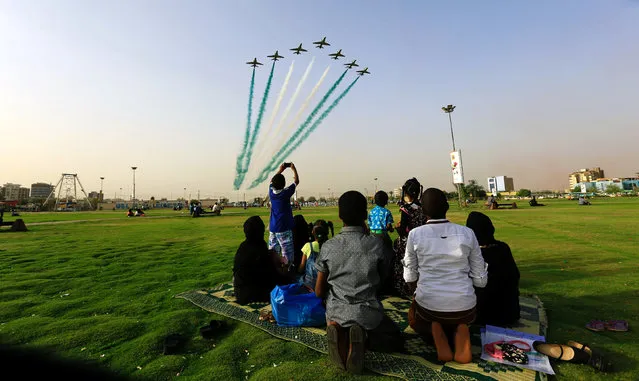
103, 290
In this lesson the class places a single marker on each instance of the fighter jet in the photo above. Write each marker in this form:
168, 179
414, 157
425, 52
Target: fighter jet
350, 65
337, 55
362, 72
275, 56
253, 63
320, 44
299, 49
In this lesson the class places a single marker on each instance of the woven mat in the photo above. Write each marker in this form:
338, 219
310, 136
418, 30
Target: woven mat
417, 362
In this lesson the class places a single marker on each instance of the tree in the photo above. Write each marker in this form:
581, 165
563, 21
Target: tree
312, 199
322, 199
301, 200
224, 200
524, 193
612, 189
258, 200
577, 189
592, 189
474, 189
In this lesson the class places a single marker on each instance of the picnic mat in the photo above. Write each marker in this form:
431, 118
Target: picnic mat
417, 362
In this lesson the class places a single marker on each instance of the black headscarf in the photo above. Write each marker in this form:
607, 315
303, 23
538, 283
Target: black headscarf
254, 229
482, 226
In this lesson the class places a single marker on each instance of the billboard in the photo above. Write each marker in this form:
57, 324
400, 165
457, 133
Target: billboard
456, 165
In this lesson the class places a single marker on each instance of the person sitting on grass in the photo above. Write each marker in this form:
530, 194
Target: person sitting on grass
498, 302
412, 216
348, 277
281, 222
254, 269
310, 251
300, 238
442, 263
130, 213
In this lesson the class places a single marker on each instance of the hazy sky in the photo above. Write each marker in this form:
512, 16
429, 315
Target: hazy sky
542, 88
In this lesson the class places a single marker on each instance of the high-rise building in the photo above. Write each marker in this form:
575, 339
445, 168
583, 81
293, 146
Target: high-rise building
500, 184
41, 190
586, 175
15, 192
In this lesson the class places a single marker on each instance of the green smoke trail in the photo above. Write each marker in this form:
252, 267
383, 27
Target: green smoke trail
306, 134
256, 130
240, 156
304, 125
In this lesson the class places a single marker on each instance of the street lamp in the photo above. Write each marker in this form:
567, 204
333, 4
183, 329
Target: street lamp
133, 168
376, 183
449, 110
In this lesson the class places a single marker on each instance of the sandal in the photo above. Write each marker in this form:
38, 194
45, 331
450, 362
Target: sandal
617, 325
596, 325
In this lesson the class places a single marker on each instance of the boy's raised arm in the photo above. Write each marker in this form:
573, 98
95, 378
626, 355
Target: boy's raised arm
296, 177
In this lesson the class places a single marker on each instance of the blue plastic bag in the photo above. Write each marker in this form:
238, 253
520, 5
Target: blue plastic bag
294, 306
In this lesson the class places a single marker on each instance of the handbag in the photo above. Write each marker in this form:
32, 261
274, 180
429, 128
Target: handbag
507, 350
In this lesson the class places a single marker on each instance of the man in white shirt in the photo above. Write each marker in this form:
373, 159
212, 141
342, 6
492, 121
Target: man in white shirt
442, 263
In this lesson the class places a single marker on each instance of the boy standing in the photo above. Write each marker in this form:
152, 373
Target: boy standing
380, 219
350, 268
281, 223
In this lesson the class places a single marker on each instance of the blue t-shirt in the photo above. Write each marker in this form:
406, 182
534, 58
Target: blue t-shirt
379, 218
281, 211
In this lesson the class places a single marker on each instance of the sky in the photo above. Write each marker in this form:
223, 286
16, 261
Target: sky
541, 89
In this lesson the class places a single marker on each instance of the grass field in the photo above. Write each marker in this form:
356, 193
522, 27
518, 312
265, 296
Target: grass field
102, 289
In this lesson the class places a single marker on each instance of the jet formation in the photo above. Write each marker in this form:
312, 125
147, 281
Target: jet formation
320, 45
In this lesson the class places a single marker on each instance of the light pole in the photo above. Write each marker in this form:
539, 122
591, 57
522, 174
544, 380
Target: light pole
133, 168
376, 184
184, 197
449, 110
101, 198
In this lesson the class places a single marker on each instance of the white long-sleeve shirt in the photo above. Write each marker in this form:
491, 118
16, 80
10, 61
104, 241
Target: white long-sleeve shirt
445, 260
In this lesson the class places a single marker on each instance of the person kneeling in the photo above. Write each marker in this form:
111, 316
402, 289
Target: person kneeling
254, 272
443, 262
349, 275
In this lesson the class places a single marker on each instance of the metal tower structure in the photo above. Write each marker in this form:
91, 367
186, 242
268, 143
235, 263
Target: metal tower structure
66, 192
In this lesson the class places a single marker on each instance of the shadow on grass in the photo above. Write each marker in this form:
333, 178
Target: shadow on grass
40, 364
619, 348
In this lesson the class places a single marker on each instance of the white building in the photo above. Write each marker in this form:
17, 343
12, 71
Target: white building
500, 184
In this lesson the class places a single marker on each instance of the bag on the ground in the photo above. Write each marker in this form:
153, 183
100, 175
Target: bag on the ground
294, 306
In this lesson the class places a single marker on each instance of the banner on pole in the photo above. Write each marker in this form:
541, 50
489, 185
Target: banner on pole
456, 165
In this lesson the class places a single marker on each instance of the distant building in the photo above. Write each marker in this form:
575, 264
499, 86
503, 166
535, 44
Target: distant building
500, 184
41, 190
601, 185
94, 194
15, 192
397, 193
585, 176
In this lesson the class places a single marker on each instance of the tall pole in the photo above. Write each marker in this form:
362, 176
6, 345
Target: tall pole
101, 198
133, 168
449, 110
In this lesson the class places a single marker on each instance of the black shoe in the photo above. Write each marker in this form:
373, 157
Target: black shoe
172, 343
208, 331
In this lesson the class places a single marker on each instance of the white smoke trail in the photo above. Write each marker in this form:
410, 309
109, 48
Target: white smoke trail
264, 136
287, 110
299, 113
